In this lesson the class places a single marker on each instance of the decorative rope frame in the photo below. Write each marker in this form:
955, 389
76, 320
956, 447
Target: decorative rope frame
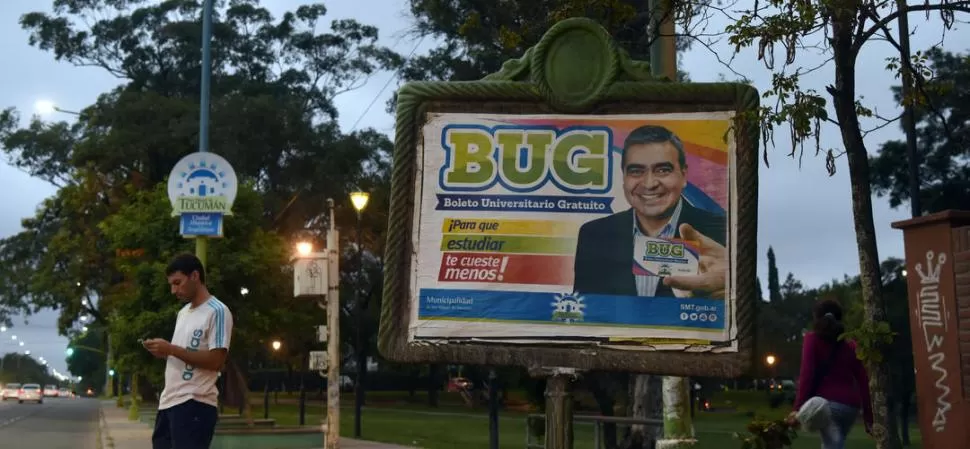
575, 69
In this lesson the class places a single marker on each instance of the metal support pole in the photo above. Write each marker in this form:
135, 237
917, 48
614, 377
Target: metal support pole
663, 63
107, 365
266, 398
303, 367
663, 44
332, 430
492, 409
359, 343
206, 75
909, 114
201, 242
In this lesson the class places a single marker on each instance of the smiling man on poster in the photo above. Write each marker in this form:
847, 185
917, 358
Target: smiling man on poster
654, 167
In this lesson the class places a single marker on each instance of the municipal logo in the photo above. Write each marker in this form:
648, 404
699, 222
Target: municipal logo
568, 308
202, 183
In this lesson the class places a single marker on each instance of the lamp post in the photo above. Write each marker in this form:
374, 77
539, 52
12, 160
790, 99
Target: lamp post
359, 199
317, 275
770, 361
276, 347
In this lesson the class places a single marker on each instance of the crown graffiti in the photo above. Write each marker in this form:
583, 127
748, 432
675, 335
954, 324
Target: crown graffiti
932, 273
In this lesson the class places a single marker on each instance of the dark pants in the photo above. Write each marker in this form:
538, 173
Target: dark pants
189, 425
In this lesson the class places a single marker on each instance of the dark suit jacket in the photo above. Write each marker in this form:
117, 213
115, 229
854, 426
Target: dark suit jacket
604, 251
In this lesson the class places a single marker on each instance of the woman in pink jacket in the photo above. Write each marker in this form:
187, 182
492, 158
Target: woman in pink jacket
831, 370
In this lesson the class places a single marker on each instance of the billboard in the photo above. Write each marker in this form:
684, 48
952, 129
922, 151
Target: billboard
573, 227
571, 211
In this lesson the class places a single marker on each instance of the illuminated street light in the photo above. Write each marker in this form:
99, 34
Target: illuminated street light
27, 352
770, 360
904, 272
45, 107
304, 248
21, 343
13, 337
244, 291
277, 345
360, 200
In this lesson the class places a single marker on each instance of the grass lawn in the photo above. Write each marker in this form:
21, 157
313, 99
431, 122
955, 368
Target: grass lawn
393, 420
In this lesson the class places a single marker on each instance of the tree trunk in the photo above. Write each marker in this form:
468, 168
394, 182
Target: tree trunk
844, 96
646, 402
433, 385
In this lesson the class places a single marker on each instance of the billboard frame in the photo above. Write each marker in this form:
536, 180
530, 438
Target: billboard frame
574, 52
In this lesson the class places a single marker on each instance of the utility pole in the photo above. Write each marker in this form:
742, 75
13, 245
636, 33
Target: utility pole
678, 425
332, 433
909, 114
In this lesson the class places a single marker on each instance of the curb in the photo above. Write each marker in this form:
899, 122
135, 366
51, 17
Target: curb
104, 439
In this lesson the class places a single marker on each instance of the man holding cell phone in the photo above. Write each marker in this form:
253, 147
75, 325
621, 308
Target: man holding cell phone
610, 250
187, 408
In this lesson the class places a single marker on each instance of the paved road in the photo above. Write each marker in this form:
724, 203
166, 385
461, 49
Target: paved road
55, 424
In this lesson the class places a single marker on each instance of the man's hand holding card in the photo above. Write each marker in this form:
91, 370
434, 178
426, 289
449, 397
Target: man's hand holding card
711, 278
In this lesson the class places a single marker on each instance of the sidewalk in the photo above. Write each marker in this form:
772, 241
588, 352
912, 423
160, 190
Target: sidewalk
117, 432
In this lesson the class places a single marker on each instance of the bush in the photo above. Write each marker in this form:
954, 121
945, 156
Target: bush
777, 434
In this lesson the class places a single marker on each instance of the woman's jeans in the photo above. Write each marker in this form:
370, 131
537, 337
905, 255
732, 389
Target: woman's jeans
843, 417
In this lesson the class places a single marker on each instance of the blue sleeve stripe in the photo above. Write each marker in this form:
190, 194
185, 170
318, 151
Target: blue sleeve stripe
220, 312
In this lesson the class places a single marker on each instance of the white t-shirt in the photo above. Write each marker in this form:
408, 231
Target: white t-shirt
203, 328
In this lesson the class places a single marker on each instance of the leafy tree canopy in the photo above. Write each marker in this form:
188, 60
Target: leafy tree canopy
273, 83
943, 138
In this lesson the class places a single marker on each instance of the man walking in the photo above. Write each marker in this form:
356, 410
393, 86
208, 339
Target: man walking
187, 409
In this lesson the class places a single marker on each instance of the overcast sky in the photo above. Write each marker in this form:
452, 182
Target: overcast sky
804, 214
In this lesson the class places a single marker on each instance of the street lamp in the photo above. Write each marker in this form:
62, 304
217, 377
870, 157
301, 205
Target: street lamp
304, 249
770, 360
277, 345
47, 107
359, 200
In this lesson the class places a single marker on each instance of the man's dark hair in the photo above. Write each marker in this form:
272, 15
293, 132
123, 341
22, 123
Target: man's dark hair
186, 263
827, 320
654, 134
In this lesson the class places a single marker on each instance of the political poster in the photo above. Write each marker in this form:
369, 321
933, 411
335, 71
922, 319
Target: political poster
572, 227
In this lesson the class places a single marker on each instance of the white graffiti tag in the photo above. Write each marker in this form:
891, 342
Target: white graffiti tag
932, 315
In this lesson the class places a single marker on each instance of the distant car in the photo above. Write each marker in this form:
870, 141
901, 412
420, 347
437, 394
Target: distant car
31, 392
458, 384
65, 393
781, 392
10, 391
50, 391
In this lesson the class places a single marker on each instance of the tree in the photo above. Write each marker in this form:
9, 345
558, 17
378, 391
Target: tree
842, 29
24, 368
477, 37
248, 257
272, 116
774, 288
943, 139
87, 358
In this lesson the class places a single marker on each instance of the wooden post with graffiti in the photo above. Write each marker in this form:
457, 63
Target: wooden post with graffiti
572, 212
938, 276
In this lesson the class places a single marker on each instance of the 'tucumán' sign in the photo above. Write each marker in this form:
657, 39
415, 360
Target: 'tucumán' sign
202, 188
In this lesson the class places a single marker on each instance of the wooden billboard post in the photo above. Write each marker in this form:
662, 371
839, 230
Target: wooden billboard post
523, 227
